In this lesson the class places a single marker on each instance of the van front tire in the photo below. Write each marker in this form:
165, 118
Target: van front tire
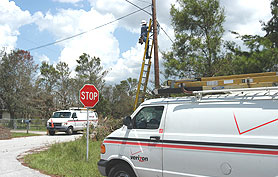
51, 132
121, 170
70, 131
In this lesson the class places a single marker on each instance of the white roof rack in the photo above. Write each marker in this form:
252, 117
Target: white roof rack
236, 90
77, 108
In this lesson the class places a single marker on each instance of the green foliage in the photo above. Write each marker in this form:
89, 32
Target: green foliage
198, 50
49, 77
260, 57
262, 51
56, 89
271, 27
198, 31
90, 71
123, 98
67, 159
64, 85
17, 73
107, 126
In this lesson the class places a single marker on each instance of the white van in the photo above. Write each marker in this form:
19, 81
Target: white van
233, 134
71, 120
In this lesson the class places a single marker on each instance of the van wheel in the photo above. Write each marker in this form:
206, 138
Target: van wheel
51, 132
70, 131
121, 170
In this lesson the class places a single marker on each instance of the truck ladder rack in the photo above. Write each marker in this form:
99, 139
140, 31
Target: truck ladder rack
221, 83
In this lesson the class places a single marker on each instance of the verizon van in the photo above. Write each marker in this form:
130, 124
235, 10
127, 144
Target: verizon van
233, 134
70, 121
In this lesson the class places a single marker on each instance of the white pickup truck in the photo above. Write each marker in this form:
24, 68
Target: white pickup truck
71, 121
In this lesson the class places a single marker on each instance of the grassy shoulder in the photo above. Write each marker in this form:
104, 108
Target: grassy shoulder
17, 134
67, 159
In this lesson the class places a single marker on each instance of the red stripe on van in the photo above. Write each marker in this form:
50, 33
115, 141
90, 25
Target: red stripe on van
202, 148
133, 143
251, 128
79, 120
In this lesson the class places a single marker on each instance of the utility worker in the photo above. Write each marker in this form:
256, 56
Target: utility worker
143, 36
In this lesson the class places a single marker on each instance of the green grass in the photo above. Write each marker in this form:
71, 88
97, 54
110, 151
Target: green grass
67, 159
17, 135
34, 128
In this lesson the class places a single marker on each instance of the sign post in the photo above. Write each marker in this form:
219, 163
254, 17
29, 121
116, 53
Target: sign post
89, 97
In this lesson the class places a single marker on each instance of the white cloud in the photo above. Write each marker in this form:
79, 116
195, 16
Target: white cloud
8, 40
11, 19
44, 58
100, 42
120, 8
68, 1
127, 66
244, 16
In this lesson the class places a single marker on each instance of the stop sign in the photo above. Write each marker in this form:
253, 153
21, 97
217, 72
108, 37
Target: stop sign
89, 95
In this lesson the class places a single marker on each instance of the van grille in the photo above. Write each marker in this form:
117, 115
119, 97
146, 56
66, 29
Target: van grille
56, 124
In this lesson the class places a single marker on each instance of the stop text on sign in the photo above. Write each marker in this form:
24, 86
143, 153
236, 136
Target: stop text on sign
89, 95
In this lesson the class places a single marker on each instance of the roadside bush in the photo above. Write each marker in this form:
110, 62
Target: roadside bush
106, 126
4, 133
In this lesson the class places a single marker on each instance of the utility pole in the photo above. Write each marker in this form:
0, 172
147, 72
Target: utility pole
156, 63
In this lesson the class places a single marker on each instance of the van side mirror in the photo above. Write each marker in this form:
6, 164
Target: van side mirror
127, 122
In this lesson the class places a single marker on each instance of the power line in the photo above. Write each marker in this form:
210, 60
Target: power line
37, 44
144, 1
79, 34
143, 9
167, 34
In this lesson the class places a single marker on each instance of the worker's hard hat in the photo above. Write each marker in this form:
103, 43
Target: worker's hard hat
143, 22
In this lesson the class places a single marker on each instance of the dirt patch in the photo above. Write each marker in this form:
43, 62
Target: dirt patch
20, 158
5, 133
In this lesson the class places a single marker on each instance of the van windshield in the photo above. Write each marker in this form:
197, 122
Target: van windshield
61, 115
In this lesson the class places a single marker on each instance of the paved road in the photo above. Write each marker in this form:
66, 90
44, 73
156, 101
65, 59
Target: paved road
11, 149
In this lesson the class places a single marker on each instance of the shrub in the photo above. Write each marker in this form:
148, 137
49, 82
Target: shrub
106, 126
4, 133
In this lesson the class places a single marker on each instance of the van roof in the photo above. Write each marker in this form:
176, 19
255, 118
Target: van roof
219, 97
75, 110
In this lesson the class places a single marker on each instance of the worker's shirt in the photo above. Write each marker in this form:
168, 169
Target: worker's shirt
144, 31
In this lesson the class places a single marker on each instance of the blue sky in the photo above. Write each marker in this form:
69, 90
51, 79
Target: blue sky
26, 24
31, 37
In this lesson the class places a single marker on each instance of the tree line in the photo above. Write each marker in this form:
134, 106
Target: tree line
27, 93
29, 90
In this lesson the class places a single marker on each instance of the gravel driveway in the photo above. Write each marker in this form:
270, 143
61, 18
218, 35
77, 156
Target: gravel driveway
11, 149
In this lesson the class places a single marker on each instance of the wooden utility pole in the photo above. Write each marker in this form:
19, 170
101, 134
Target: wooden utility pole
156, 63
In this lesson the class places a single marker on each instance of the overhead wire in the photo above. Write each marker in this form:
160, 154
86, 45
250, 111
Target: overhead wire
167, 35
139, 7
79, 34
35, 43
144, 1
